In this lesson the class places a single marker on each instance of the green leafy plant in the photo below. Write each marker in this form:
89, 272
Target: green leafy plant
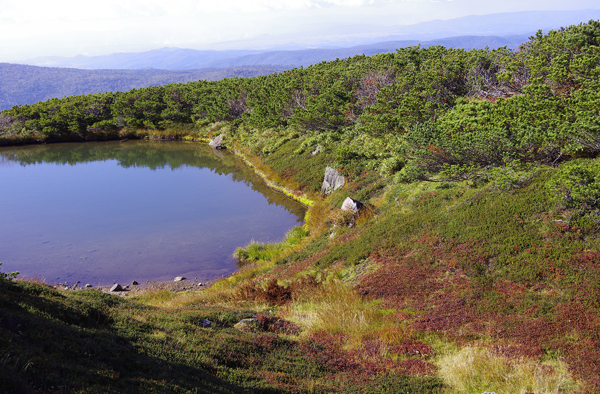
8, 275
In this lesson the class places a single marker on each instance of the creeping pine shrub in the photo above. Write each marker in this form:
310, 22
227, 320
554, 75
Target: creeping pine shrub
576, 187
391, 165
8, 275
513, 175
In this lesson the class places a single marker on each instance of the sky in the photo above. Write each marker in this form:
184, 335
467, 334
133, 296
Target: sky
32, 28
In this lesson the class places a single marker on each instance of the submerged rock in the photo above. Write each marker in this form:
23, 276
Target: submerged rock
116, 287
217, 142
332, 181
351, 205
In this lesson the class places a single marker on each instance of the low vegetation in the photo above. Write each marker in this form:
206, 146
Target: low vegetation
475, 267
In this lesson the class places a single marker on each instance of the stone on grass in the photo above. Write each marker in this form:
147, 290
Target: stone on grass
116, 287
217, 142
246, 324
332, 181
178, 279
352, 205
205, 323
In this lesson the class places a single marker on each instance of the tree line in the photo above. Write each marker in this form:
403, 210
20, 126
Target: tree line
420, 113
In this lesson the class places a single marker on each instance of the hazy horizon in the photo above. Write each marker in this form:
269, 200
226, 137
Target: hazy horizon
32, 28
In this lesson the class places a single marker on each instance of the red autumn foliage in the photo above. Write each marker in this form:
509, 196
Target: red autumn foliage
327, 350
276, 325
413, 348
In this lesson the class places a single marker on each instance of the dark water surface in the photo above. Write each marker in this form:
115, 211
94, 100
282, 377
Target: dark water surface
100, 212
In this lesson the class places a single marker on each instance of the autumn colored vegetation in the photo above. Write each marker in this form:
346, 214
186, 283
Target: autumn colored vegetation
476, 266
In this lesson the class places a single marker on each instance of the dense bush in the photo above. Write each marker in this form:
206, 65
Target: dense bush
424, 113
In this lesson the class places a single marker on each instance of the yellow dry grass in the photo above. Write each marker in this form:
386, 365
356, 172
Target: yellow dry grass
474, 370
335, 308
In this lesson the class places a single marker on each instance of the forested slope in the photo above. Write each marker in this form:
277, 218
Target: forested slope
475, 265
29, 84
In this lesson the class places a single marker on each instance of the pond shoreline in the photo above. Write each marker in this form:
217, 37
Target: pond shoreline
188, 285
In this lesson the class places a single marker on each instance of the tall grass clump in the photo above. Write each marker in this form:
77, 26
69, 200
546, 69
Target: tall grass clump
474, 370
258, 251
335, 308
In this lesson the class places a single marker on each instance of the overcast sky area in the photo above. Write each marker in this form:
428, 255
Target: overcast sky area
31, 28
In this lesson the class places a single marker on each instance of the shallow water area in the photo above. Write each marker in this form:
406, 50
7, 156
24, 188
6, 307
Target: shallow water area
100, 212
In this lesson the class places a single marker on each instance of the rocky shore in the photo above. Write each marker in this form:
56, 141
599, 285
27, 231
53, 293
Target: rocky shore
179, 284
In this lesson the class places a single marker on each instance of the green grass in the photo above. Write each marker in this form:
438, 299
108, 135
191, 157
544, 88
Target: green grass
88, 342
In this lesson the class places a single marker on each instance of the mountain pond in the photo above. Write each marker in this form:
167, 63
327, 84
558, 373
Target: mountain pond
100, 212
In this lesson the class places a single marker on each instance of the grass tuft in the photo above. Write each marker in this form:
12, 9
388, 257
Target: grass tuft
333, 307
474, 370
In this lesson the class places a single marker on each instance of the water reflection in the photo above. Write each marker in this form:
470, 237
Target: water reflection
143, 210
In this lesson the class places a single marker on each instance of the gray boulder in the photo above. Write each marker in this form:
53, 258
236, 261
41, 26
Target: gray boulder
205, 323
178, 279
116, 287
332, 181
247, 324
352, 205
217, 142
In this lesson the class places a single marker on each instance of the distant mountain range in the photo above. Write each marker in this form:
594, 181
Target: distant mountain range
21, 84
184, 59
343, 36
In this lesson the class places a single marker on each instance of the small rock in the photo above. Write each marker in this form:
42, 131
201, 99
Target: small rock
134, 283
332, 181
351, 205
200, 284
116, 287
205, 323
217, 142
88, 285
245, 324
316, 151
178, 279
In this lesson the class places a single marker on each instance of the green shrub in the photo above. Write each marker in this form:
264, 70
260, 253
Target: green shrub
8, 275
577, 185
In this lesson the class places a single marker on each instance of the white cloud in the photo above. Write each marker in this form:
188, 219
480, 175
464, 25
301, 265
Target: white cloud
31, 28
22, 11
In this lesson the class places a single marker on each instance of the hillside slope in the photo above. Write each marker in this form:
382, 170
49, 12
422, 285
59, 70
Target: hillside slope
474, 265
